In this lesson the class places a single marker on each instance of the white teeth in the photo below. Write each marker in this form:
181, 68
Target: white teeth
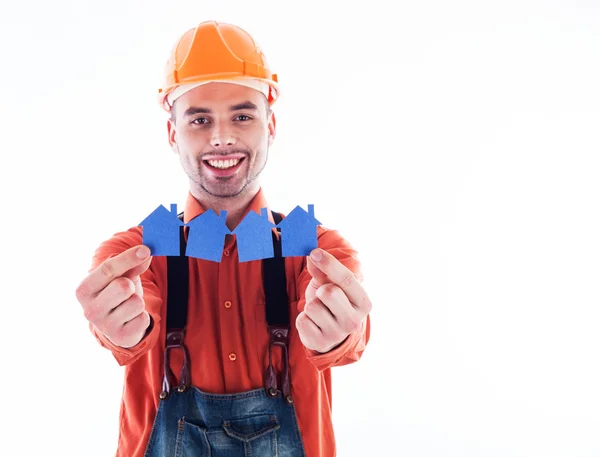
223, 163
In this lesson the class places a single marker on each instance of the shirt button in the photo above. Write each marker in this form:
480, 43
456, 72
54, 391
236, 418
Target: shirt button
232, 357
226, 252
227, 304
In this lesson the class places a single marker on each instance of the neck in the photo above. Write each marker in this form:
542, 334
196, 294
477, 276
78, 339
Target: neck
235, 206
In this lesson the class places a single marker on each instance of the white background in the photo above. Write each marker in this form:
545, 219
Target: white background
455, 144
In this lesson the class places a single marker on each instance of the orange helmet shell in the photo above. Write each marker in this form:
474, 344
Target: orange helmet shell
215, 51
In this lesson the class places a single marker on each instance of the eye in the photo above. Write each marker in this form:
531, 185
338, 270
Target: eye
243, 117
200, 120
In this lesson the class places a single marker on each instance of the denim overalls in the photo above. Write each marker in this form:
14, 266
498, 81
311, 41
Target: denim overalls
257, 423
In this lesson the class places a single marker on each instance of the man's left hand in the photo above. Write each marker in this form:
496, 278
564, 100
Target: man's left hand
336, 303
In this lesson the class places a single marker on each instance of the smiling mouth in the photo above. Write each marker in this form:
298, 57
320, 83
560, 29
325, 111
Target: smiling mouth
223, 164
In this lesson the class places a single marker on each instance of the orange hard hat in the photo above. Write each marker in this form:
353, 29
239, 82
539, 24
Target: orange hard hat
215, 51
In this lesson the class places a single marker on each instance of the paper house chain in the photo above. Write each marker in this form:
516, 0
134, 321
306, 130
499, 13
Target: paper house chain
206, 236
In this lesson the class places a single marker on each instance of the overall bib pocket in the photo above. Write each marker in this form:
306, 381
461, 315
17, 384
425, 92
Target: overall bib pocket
251, 436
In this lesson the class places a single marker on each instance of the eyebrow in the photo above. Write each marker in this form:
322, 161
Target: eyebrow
245, 105
193, 110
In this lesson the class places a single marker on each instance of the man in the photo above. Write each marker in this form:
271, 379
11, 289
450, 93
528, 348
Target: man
247, 385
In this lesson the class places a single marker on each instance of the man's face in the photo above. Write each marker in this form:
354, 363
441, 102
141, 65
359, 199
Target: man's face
222, 133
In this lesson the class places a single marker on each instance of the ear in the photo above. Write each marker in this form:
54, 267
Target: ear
272, 128
172, 135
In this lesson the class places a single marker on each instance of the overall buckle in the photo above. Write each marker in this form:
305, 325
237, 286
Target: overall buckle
279, 336
175, 341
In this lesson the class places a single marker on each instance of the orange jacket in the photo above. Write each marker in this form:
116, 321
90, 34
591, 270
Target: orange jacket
226, 316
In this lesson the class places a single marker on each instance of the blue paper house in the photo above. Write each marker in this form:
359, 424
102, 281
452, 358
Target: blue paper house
160, 231
255, 236
207, 236
299, 232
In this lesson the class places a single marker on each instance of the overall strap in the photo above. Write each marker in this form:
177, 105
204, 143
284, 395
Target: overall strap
278, 316
274, 284
177, 285
177, 298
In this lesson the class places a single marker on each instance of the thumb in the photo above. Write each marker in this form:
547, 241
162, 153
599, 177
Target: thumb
138, 270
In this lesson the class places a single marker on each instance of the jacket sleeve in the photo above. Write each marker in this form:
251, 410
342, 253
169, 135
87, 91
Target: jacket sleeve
352, 348
117, 244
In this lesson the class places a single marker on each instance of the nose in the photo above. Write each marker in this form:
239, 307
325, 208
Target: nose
222, 137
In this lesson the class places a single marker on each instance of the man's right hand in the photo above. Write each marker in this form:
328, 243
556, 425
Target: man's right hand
112, 297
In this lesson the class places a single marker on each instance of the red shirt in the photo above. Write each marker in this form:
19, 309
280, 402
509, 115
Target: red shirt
227, 336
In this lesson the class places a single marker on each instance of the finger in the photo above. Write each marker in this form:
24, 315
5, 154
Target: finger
310, 334
119, 290
322, 318
137, 283
137, 325
125, 312
134, 275
348, 318
311, 290
110, 269
340, 275
318, 279
132, 332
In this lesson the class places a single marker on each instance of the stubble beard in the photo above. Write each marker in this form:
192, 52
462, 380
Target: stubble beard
198, 179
